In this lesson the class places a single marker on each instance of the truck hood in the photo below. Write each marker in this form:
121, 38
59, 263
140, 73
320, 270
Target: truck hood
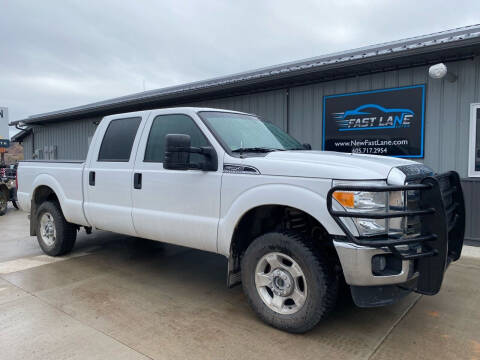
325, 164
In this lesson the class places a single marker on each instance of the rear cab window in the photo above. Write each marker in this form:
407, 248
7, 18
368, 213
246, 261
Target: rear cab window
118, 140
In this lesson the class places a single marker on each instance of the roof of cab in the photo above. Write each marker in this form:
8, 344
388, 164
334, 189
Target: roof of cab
171, 110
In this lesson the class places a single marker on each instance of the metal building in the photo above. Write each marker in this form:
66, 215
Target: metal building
292, 96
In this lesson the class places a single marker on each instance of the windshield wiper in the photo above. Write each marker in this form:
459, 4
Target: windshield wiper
255, 149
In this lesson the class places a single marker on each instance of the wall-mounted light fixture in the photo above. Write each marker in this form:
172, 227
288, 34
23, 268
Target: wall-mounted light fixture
440, 71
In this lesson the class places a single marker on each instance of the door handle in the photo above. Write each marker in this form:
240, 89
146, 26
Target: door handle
91, 178
137, 181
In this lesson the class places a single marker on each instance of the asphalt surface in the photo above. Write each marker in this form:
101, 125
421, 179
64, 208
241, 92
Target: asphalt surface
117, 297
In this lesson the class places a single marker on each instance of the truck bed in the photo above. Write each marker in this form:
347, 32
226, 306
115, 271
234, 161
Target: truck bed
63, 177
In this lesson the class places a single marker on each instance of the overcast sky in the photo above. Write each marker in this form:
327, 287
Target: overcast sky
58, 54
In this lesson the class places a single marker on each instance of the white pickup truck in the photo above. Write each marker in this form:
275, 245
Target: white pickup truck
294, 223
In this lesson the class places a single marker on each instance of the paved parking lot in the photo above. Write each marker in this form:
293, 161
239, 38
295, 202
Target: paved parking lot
116, 297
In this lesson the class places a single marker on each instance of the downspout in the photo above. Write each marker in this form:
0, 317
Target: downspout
287, 117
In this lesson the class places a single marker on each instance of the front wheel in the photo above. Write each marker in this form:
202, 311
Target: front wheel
290, 285
55, 235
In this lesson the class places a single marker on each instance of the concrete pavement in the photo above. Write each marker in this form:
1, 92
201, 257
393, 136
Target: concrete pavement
117, 297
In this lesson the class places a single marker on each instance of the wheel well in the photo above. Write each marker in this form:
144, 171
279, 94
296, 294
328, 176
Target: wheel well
276, 218
44, 193
41, 194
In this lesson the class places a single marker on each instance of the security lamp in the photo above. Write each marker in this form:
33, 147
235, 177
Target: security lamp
440, 71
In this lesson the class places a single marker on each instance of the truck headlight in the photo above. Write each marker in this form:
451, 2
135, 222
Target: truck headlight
367, 201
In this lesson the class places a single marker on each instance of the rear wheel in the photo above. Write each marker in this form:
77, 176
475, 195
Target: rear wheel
55, 235
289, 284
3, 202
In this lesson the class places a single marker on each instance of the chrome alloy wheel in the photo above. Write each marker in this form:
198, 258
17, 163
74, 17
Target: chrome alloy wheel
47, 229
280, 282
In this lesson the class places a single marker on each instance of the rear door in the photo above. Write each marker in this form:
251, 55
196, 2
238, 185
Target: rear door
108, 175
176, 206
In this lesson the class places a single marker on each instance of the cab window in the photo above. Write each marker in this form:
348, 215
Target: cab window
118, 140
163, 125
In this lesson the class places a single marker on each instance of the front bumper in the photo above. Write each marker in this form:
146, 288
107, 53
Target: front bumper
357, 262
421, 261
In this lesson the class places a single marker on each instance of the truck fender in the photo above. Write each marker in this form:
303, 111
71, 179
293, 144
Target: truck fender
70, 208
52, 183
273, 194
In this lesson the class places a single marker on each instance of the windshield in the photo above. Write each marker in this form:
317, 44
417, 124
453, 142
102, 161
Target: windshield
248, 133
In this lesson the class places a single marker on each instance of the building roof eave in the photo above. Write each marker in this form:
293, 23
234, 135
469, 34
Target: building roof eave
456, 43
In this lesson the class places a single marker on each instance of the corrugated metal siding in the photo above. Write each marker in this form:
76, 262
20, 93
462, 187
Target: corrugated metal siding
27, 147
471, 191
269, 105
447, 109
70, 138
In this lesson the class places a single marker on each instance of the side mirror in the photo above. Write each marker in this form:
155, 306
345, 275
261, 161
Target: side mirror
177, 154
307, 146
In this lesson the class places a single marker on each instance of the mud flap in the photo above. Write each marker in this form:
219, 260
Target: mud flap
374, 296
234, 275
33, 219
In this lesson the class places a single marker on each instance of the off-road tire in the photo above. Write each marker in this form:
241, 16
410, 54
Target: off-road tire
319, 274
66, 233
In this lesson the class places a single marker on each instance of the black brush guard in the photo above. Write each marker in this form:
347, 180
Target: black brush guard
442, 212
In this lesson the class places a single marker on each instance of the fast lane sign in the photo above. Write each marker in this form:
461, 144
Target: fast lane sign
380, 122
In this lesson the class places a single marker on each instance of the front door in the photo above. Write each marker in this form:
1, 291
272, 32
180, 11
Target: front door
175, 206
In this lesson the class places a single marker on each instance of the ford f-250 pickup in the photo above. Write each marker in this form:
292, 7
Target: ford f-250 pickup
294, 223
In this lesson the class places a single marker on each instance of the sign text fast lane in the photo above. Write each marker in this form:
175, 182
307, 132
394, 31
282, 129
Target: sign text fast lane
386, 122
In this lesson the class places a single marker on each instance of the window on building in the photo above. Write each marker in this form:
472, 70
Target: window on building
173, 124
474, 151
118, 140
